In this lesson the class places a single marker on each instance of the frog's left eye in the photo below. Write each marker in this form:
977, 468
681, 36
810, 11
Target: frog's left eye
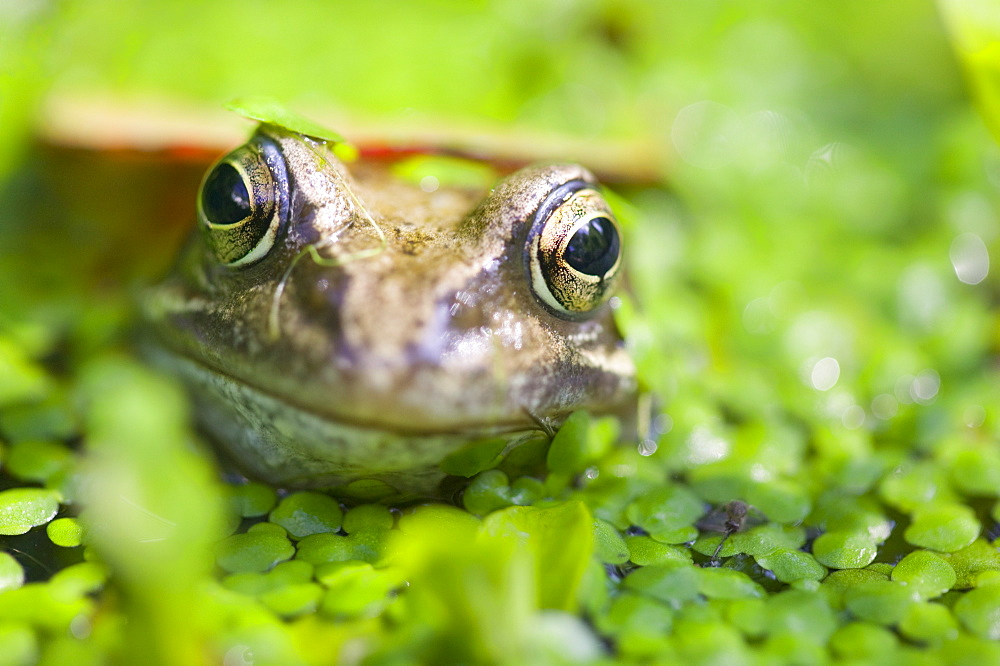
574, 250
243, 202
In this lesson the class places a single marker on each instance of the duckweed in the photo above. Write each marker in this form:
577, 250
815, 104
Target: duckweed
943, 527
24, 508
305, 513
879, 601
844, 550
928, 623
789, 565
254, 551
928, 574
65, 532
979, 612
250, 500
11, 572
37, 460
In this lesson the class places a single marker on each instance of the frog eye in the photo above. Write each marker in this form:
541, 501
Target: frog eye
243, 202
574, 250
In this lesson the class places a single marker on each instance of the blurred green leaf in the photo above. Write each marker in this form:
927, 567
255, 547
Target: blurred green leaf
270, 111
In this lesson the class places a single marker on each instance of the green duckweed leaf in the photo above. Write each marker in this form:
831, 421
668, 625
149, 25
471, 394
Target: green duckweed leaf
719, 583
38, 460
665, 509
836, 585
355, 589
488, 492
77, 580
304, 513
792, 649
879, 601
36, 604
294, 599
749, 615
844, 550
368, 517
926, 573
562, 540
789, 565
860, 640
977, 472
11, 572
609, 544
271, 111
639, 623
972, 561
708, 641
944, 527
671, 583
800, 612
321, 548
475, 457
781, 501
253, 551
24, 508
979, 612
251, 500
928, 622
568, 451
646, 551
912, 486
65, 532
768, 538
21, 379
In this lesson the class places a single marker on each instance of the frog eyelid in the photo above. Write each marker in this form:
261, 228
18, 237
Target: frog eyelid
566, 275
264, 178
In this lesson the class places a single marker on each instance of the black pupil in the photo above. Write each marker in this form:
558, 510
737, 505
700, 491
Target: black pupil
593, 249
224, 198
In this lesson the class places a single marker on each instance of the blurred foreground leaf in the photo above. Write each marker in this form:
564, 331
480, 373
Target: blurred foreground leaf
975, 30
153, 508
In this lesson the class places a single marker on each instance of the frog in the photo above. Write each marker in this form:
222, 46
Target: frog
341, 327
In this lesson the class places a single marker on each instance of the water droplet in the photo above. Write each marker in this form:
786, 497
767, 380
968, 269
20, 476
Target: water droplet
80, 627
853, 417
662, 424
429, 184
974, 416
884, 406
825, 373
970, 258
925, 386
647, 447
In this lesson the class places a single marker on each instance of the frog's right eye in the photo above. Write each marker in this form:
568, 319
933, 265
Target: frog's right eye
243, 203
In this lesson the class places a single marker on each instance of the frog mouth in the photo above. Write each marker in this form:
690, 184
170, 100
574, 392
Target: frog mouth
250, 397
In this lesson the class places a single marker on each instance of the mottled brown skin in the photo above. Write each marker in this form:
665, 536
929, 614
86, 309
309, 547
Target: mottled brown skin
423, 341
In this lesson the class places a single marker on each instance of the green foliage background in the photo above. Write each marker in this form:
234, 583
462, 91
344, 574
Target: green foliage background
810, 297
